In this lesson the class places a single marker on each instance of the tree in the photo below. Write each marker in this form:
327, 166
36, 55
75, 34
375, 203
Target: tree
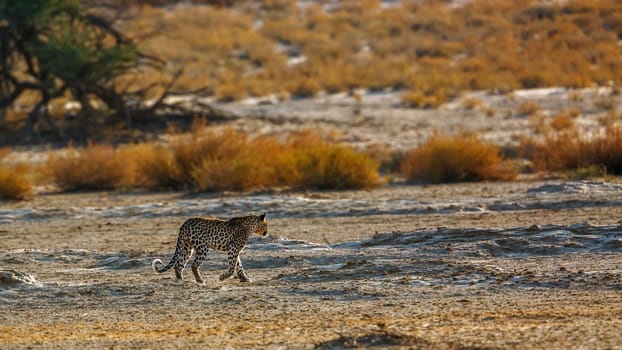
60, 48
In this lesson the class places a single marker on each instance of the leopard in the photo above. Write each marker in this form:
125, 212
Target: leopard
198, 234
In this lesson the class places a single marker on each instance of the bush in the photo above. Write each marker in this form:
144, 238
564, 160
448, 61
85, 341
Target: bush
318, 164
156, 167
528, 108
418, 99
237, 163
229, 160
96, 167
305, 87
14, 183
569, 150
360, 44
454, 159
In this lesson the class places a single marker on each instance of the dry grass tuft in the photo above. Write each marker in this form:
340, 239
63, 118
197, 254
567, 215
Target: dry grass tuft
453, 159
235, 162
208, 160
156, 167
432, 49
528, 108
569, 150
96, 167
318, 164
303, 161
14, 183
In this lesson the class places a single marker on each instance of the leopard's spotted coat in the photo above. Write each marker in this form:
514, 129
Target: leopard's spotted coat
200, 234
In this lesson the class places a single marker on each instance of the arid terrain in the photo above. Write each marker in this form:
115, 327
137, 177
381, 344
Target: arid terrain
534, 263
528, 264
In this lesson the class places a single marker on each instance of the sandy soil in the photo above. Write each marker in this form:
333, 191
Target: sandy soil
528, 264
379, 118
509, 265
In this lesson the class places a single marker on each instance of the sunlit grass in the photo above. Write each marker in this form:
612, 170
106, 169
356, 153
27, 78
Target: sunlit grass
568, 150
207, 160
433, 50
453, 159
15, 183
318, 164
96, 167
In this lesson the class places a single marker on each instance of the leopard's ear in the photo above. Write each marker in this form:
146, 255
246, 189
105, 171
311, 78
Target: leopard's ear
262, 217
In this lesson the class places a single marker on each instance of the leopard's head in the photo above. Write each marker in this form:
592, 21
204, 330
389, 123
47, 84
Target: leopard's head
262, 226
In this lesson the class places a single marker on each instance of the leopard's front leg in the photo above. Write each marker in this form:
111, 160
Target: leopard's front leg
241, 274
232, 257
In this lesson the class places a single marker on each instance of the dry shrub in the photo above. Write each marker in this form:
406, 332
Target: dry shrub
193, 154
305, 87
96, 167
237, 163
500, 45
156, 167
318, 164
569, 150
418, 99
14, 183
472, 103
4, 151
528, 107
453, 159
558, 151
229, 92
562, 121
208, 160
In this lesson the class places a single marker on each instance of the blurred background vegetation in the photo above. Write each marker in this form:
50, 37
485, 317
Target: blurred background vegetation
110, 57
74, 70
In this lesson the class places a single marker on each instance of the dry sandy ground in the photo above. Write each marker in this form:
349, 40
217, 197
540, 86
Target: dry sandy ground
379, 118
470, 266
505, 265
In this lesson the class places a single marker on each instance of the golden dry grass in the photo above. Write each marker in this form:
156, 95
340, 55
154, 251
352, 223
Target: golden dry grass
207, 160
433, 50
96, 167
311, 162
15, 179
569, 150
453, 159
14, 183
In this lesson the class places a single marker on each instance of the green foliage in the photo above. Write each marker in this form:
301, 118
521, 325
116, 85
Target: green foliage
58, 49
36, 11
74, 54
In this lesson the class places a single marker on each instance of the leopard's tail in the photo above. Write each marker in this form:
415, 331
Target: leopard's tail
156, 262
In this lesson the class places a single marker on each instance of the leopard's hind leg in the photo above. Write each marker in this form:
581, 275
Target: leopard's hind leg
199, 257
182, 260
